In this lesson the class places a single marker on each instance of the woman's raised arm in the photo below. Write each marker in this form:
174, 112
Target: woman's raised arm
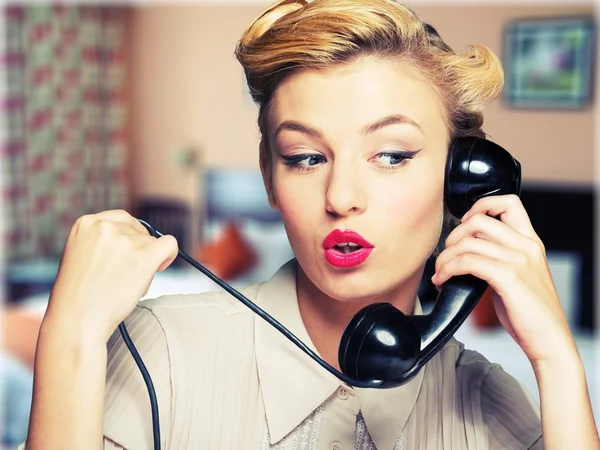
508, 254
107, 266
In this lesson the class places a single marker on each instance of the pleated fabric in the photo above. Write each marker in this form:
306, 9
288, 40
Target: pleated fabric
207, 362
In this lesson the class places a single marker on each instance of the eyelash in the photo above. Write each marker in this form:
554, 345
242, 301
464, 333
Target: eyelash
403, 156
295, 161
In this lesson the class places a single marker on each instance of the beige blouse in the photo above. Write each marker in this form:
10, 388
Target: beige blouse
225, 379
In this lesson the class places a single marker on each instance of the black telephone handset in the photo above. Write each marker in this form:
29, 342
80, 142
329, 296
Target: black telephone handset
380, 342
381, 347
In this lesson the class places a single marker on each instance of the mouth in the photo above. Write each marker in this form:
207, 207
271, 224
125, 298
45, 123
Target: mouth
345, 241
346, 248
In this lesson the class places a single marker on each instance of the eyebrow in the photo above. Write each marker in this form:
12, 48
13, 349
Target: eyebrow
391, 119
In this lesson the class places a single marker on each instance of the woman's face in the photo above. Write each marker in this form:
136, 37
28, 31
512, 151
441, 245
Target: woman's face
359, 147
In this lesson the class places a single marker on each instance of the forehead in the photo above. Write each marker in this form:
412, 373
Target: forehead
351, 95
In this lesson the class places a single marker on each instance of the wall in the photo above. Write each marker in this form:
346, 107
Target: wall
552, 146
187, 89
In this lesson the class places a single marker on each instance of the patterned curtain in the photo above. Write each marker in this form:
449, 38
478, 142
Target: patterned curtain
65, 112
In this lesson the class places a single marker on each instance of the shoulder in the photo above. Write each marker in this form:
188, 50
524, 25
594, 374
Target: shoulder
195, 325
177, 337
489, 378
182, 304
169, 327
126, 408
157, 326
184, 319
508, 411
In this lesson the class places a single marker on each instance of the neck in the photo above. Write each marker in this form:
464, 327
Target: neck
325, 317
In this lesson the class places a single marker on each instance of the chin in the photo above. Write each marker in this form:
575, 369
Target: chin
368, 284
346, 295
354, 287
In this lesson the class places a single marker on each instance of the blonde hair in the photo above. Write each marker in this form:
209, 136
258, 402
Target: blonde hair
292, 35
301, 34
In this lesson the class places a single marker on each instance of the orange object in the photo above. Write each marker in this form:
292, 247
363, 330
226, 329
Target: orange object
229, 255
20, 329
484, 314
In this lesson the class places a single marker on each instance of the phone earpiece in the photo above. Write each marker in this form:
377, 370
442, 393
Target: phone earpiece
382, 343
477, 168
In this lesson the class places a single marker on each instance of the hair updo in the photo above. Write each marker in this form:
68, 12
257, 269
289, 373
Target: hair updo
300, 34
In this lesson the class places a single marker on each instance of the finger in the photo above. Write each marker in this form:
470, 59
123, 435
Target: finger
123, 231
139, 241
123, 217
486, 227
165, 264
508, 209
162, 252
496, 273
475, 246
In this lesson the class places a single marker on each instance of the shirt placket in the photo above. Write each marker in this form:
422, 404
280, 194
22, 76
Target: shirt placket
339, 421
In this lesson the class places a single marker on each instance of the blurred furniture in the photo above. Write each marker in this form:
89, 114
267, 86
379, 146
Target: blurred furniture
23, 279
20, 328
236, 197
16, 382
168, 216
236, 194
563, 218
229, 255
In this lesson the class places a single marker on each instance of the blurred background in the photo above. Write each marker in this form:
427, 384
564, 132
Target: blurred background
144, 107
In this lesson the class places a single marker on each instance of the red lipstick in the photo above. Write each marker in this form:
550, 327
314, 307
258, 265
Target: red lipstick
346, 248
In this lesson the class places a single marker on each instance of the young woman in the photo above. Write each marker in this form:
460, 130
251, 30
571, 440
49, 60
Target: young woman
358, 104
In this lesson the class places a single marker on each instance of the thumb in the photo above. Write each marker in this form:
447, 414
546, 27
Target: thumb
165, 264
162, 252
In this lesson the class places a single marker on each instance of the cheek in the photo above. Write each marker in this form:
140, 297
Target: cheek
297, 205
430, 202
420, 210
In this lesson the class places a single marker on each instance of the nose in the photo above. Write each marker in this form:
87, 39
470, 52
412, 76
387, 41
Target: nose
346, 194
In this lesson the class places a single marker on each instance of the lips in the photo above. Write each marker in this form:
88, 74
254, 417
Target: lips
339, 237
346, 249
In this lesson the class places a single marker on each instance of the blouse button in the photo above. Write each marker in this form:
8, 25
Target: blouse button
335, 446
342, 394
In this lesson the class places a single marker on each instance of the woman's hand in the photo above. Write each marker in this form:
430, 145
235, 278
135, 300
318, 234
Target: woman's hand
510, 257
107, 265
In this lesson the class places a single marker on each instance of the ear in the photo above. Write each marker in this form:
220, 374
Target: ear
266, 168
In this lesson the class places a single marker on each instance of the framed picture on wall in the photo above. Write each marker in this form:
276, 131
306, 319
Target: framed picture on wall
549, 63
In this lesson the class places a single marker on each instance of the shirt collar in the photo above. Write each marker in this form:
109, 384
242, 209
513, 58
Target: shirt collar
293, 385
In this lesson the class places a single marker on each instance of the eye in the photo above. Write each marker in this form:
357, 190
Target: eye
390, 159
303, 161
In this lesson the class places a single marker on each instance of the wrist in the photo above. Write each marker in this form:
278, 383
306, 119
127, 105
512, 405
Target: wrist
564, 364
72, 331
